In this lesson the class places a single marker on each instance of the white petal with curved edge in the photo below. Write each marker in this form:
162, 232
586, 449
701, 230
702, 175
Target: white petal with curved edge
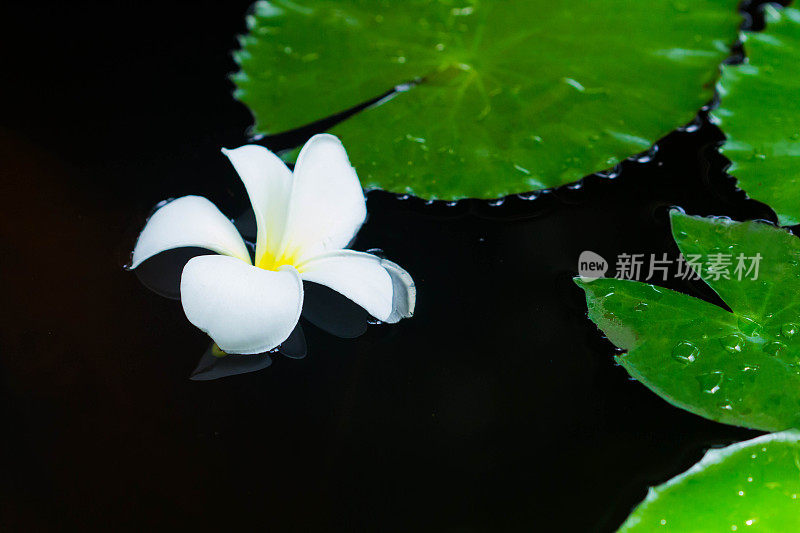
245, 309
189, 221
404, 296
268, 182
326, 205
357, 275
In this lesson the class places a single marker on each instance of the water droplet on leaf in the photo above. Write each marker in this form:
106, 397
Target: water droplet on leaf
733, 343
748, 326
789, 330
775, 348
710, 383
685, 352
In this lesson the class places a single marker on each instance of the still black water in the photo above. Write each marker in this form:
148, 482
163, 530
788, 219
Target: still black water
498, 407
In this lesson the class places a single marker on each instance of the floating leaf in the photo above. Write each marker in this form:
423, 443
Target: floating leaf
748, 486
492, 97
760, 115
740, 367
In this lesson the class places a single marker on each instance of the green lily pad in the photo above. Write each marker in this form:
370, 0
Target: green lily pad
748, 486
494, 97
739, 367
760, 115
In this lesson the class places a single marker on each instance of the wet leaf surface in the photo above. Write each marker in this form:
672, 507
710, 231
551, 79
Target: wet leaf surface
760, 114
748, 486
491, 98
738, 367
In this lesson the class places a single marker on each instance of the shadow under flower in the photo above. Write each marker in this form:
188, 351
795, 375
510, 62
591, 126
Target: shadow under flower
216, 364
162, 272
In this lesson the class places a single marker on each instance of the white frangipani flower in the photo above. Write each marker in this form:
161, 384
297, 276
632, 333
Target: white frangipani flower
305, 219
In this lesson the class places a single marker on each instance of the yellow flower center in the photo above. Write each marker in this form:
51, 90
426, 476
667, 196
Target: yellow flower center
289, 256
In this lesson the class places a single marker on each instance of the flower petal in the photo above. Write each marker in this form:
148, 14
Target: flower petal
189, 221
357, 275
326, 205
244, 309
268, 182
404, 292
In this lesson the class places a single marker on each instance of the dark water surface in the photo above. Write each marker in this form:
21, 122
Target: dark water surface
498, 407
